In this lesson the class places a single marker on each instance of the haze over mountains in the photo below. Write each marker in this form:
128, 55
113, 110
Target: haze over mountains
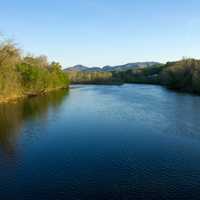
108, 68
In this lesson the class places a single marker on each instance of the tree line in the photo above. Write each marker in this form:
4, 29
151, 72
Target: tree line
78, 77
27, 75
183, 75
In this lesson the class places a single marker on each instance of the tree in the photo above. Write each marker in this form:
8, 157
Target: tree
9, 54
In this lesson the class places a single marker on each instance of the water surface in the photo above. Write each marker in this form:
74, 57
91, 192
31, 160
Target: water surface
101, 142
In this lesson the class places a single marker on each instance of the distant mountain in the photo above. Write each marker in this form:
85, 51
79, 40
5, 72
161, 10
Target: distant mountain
76, 68
129, 66
81, 68
111, 68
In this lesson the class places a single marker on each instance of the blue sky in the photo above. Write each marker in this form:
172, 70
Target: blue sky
104, 32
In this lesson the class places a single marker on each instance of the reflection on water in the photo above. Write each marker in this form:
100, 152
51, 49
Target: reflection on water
101, 142
13, 115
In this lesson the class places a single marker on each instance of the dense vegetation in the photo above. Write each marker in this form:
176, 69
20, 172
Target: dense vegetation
27, 75
183, 75
137, 75
149, 75
91, 77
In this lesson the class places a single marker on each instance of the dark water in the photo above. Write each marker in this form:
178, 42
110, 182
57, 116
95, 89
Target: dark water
101, 142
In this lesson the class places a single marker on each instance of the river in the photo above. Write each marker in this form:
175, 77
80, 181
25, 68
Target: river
101, 142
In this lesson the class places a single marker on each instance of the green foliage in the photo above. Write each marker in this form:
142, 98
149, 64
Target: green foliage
182, 75
9, 82
9, 54
149, 75
58, 77
21, 76
91, 77
137, 75
9, 78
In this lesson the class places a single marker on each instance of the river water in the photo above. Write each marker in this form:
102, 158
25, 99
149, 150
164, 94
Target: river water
101, 142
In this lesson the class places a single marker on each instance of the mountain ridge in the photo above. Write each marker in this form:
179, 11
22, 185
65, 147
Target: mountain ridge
107, 68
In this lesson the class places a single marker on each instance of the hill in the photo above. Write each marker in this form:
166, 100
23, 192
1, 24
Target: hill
81, 68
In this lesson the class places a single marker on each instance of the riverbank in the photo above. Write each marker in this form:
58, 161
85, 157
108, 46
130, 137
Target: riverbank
15, 98
25, 76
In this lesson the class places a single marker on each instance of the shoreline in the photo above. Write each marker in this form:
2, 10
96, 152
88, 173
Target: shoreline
16, 98
183, 91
